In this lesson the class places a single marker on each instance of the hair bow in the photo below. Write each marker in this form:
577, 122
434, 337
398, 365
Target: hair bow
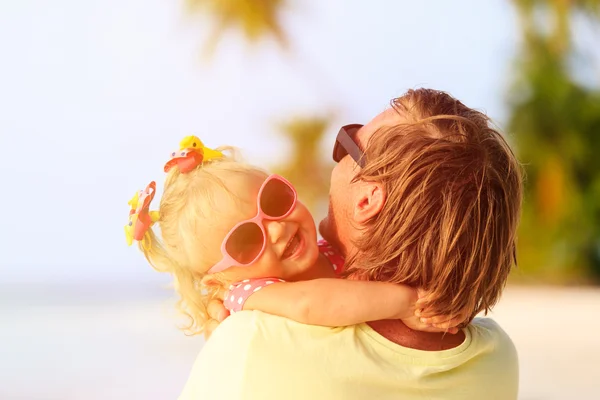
140, 216
192, 152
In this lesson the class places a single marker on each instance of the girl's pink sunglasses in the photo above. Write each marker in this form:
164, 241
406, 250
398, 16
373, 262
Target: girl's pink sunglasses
246, 241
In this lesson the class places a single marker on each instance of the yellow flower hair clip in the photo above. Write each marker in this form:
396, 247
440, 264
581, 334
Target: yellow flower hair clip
192, 152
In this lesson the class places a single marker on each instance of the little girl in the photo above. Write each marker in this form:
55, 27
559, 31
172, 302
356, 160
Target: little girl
226, 224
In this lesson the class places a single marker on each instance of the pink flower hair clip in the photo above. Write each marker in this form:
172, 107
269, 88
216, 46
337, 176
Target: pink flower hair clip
140, 216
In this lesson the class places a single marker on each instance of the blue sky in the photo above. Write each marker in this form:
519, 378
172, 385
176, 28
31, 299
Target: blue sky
94, 95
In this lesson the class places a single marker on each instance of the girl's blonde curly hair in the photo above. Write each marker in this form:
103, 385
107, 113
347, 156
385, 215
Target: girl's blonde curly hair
188, 201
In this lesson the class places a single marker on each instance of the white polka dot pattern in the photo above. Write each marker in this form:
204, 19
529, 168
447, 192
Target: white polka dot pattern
240, 292
337, 260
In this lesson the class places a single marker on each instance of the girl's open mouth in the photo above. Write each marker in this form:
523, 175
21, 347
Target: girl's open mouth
293, 247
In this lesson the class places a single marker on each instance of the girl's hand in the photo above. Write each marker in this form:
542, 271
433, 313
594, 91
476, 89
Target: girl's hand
217, 313
432, 322
215, 309
415, 324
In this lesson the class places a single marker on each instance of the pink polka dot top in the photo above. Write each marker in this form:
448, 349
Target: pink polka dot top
240, 292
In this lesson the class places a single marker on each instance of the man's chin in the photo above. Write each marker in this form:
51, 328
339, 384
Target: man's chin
328, 231
323, 228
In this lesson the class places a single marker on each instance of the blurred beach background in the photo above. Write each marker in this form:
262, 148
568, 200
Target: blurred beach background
94, 95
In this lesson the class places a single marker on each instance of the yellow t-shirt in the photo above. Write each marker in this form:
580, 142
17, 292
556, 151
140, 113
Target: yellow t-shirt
254, 355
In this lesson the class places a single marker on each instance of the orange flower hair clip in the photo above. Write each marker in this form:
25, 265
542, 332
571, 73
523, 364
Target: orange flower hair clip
192, 152
140, 216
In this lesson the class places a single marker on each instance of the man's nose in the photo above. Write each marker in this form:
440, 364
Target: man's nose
275, 230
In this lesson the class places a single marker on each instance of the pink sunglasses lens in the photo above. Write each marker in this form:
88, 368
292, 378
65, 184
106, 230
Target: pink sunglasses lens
277, 198
245, 243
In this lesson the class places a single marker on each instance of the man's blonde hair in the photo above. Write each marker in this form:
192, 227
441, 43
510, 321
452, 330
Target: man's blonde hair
454, 191
188, 201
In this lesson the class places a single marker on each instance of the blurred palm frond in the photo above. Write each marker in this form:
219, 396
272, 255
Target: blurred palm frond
306, 166
256, 19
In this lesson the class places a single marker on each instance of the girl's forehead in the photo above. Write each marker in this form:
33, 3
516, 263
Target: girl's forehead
226, 204
245, 187
239, 201
228, 208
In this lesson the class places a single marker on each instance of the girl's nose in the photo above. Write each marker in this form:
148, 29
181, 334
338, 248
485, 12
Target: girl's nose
275, 230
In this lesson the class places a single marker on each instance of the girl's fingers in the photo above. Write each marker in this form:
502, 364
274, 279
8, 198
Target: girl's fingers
421, 310
442, 321
448, 324
217, 311
210, 327
426, 314
433, 320
433, 328
421, 303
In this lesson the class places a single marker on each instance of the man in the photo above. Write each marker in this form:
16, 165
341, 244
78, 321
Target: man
427, 194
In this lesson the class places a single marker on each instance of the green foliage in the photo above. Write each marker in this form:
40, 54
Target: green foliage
556, 123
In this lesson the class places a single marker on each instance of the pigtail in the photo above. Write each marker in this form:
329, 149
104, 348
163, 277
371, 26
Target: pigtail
194, 296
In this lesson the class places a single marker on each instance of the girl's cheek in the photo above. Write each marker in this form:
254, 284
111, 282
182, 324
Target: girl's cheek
307, 217
270, 264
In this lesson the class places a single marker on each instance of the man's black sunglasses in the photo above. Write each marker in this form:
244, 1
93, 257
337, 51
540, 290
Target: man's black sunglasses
345, 143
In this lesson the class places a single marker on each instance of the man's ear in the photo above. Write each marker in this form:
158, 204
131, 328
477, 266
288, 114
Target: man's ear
370, 199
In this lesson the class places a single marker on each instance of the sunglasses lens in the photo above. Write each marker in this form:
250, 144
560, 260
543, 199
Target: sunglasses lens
339, 152
346, 133
277, 198
245, 243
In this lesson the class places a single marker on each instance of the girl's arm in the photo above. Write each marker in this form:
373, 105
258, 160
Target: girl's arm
335, 302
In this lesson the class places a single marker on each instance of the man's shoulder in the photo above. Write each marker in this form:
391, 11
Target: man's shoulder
251, 355
253, 317
220, 367
489, 329
249, 351
252, 326
256, 332
248, 327
247, 322
492, 342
